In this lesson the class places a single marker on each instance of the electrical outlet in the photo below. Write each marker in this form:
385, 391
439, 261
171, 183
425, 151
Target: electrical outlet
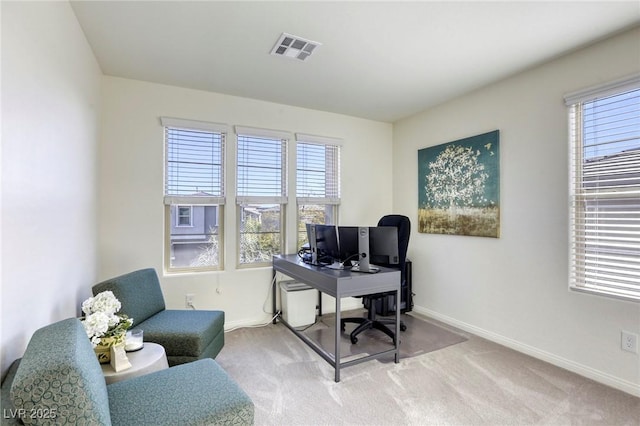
188, 300
629, 342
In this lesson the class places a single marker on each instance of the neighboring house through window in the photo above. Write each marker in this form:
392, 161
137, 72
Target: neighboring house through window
317, 181
194, 194
261, 194
605, 189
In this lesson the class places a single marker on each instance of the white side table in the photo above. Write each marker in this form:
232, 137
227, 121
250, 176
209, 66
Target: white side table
147, 360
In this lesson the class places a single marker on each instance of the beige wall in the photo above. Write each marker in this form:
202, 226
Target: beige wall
50, 108
514, 289
131, 185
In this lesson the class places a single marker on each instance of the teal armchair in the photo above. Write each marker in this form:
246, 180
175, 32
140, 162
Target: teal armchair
59, 381
187, 335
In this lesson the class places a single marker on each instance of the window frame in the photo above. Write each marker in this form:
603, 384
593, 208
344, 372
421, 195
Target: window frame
173, 199
244, 199
594, 268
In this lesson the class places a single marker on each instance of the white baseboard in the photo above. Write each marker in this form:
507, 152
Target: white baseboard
567, 364
251, 322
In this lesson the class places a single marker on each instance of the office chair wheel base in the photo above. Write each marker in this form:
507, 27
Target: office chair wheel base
354, 340
403, 327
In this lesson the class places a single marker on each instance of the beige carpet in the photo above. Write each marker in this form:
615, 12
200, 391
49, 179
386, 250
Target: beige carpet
474, 382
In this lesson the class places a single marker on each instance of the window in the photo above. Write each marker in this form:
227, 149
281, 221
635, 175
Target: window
605, 190
261, 194
317, 182
193, 194
184, 216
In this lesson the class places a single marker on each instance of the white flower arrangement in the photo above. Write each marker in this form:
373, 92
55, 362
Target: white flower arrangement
101, 319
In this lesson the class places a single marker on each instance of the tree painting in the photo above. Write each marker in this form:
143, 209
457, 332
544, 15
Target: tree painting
459, 187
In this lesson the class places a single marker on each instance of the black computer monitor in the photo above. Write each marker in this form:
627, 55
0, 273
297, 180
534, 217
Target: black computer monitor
368, 246
383, 245
323, 240
348, 243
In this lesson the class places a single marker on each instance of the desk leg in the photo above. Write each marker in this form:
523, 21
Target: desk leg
273, 295
397, 356
336, 352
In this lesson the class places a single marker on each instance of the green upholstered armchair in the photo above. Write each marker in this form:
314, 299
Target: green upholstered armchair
186, 335
59, 381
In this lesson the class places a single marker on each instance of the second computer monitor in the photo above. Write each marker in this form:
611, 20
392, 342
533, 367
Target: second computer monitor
383, 245
382, 248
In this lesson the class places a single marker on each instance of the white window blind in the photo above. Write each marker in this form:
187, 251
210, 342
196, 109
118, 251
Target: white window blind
261, 169
317, 173
194, 171
605, 190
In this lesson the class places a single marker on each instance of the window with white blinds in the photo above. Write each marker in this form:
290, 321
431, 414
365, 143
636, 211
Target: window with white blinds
261, 193
605, 189
318, 173
317, 181
261, 173
193, 194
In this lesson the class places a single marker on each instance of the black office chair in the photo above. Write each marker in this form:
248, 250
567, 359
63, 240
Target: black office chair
379, 302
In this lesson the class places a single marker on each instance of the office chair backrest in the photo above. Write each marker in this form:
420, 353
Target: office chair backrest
404, 230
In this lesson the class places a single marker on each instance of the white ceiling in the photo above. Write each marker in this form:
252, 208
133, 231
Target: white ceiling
378, 60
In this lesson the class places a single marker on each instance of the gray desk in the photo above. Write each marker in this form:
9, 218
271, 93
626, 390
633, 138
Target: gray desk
339, 284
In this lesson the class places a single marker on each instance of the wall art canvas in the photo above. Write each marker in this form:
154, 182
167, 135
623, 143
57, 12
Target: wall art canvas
459, 187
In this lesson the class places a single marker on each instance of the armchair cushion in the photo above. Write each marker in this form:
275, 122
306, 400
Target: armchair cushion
139, 293
184, 333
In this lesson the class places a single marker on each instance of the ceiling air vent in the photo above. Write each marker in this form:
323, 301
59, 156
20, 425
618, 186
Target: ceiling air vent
295, 47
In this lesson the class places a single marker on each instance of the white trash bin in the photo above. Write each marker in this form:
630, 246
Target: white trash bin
298, 303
